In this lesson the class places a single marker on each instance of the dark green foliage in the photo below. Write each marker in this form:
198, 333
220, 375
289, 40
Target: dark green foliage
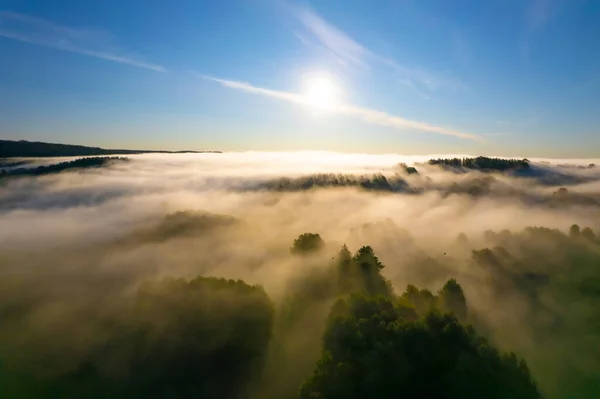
302, 314
574, 231
349, 273
543, 282
81, 163
22, 148
345, 269
557, 276
209, 337
307, 243
371, 350
375, 182
423, 301
475, 187
366, 259
206, 337
202, 338
369, 272
184, 223
588, 234
482, 163
563, 196
452, 300
299, 326
362, 272
409, 170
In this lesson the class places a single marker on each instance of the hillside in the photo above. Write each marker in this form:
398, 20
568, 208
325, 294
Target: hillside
23, 148
81, 163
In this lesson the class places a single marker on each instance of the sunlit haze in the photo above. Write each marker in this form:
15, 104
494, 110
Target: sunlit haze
299, 199
479, 77
320, 91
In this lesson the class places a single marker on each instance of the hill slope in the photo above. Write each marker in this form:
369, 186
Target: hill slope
22, 148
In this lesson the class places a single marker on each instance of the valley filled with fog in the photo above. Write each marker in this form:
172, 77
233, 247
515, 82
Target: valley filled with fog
97, 267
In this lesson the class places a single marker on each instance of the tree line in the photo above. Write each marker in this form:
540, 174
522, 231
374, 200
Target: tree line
482, 163
374, 182
38, 149
81, 163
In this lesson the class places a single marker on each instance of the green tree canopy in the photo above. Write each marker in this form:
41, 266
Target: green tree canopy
574, 231
588, 234
307, 243
205, 338
371, 351
452, 299
483, 163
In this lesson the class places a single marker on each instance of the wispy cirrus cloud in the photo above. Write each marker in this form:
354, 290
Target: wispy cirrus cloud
538, 15
98, 44
425, 80
302, 38
348, 51
335, 40
364, 114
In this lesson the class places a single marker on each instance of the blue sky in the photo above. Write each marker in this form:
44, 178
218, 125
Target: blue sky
496, 77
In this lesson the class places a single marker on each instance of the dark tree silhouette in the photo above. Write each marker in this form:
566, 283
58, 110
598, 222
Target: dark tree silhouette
482, 163
588, 234
409, 170
452, 300
574, 231
81, 163
537, 264
37, 149
372, 351
375, 182
307, 243
203, 338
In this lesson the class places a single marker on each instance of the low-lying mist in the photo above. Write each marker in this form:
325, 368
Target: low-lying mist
81, 249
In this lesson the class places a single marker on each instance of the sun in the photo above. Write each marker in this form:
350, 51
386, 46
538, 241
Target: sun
320, 91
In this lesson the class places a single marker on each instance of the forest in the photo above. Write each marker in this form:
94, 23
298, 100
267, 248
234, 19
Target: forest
482, 163
210, 337
187, 277
21, 169
215, 337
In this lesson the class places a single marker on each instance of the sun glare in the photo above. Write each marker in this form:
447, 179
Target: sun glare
321, 92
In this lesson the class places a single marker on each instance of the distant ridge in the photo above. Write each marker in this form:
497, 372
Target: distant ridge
483, 163
23, 148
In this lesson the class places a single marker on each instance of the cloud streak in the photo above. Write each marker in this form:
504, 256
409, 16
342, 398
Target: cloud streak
364, 114
340, 44
539, 14
345, 48
44, 33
